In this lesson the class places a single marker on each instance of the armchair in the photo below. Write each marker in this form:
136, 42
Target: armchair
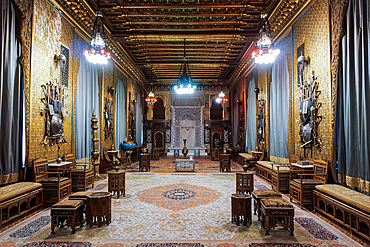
82, 173
301, 189
56, 187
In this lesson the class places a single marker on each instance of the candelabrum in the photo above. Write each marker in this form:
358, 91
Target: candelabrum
95, 153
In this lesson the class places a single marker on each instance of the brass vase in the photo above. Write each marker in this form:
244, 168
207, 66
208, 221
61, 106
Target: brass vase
185, 149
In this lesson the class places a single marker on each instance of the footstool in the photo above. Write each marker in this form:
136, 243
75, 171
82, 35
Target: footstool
274, 208
257, 195
241, 211
81, 195
67, 210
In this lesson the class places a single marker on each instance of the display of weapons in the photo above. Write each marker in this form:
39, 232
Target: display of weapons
54, 112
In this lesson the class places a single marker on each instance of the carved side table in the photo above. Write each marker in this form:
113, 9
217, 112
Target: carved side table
215, 153
244, 182
241, 210
116, 182
225, 163
144, 162
99, 208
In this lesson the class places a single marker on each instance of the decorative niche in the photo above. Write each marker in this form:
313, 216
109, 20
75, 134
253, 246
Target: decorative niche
63, 60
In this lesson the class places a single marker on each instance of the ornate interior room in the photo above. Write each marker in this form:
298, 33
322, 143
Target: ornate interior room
185, 123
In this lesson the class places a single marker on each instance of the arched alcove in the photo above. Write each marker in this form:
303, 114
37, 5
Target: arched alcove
158, 109
216, 110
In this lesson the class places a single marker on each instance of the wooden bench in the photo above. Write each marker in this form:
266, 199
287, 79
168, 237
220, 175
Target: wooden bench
278, 175
344, 205
19, 198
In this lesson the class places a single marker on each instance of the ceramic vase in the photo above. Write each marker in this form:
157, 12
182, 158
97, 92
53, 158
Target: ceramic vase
185, 149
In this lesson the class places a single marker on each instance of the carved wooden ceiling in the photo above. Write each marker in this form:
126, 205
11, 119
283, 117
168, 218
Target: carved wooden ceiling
152, 32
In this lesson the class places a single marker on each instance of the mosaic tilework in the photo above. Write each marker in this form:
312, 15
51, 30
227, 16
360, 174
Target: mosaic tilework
58, 244
178, 196
317, 230
31, 227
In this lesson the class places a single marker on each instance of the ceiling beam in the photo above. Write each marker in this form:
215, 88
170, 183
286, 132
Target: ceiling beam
251, 22
248, 34
180, 15
257, 6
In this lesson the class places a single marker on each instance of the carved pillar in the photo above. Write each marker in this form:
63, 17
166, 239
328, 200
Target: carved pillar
95, 153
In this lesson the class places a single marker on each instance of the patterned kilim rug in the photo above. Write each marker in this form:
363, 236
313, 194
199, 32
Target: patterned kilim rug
176, 210
202, 164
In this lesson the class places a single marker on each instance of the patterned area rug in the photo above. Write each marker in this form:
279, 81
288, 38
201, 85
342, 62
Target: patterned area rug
163, 209
317, 230
58, 244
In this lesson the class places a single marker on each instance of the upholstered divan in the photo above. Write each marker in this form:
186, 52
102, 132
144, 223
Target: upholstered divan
246, 159
344, 205
278, 175
19, 198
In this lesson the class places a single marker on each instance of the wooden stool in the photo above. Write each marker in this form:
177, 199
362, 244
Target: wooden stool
244, 182
67, 210
99, 208
225, 163
155, 154
273, 208
144, 162
257, 195
116, 182
241, 211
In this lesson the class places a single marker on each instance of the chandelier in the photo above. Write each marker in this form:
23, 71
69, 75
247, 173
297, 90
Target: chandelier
98, 54
221, 96
151, 99
184, 82
265, 52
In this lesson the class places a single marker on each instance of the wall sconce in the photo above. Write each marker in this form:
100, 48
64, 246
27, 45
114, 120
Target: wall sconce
239, 102
60, 58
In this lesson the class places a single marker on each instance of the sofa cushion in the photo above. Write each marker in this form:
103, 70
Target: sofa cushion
307, 181
68, 204
81, 170
17, 189
246, 156
346, 195
267, 164
271, 165
266, 193
54, 179
276, 203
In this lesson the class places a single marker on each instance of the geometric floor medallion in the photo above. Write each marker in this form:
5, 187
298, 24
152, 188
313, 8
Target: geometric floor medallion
178, 196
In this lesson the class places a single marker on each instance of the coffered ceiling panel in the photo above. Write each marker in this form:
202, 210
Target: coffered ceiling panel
152, 32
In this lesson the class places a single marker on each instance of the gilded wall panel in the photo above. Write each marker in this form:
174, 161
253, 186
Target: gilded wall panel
315, 36
105, 83
49, 30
